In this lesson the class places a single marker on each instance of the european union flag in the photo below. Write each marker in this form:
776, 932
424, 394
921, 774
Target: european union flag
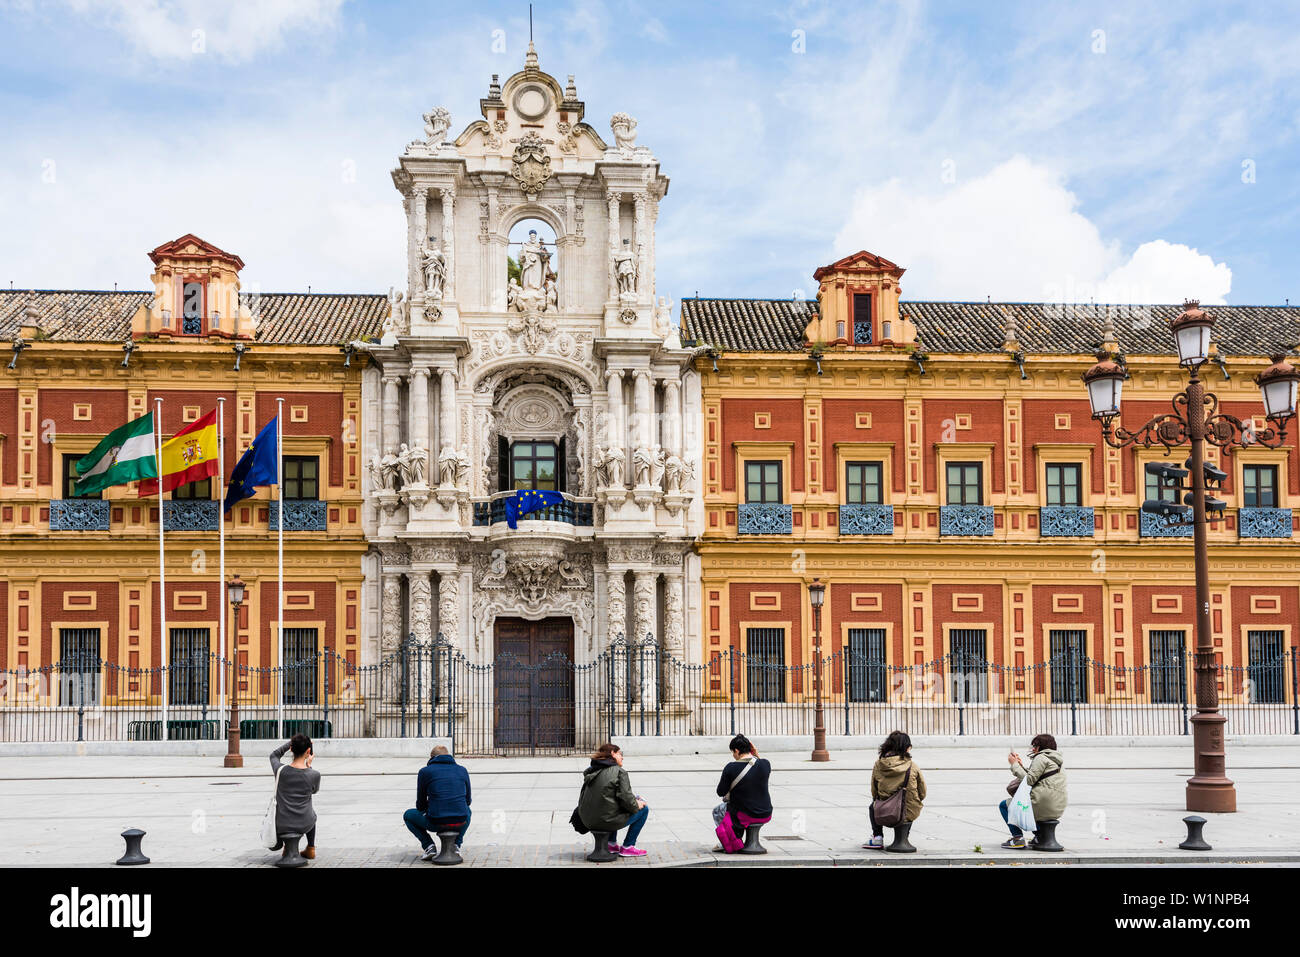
257, 466
527, 500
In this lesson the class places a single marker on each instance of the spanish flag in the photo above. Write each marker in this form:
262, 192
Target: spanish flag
187, 457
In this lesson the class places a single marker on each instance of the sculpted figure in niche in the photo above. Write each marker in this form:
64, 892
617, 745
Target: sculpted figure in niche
641, 461
396, 313
447, 462
614, 466
625, 269
417, 459
389, 468
376, 475
624, 129
533, 261
657, 466
552, 292
674, 470
436, 123
462, 470
434, 265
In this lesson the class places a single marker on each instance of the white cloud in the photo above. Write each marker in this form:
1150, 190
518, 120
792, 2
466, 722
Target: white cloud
1016, 234
234, 32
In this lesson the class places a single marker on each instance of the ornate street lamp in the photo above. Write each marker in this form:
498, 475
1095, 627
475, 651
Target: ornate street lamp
816, 595
235, 592
1195, 420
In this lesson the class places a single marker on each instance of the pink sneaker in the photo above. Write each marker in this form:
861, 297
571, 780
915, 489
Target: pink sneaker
630, 852
615, 848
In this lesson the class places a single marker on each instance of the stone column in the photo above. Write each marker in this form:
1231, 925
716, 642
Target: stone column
391, 421
645, 645
674, 648
639, 239
447, 409
673, 416
390, 630
613, 199
616, 611
643, 411
449, 607
420, 197
419, 397
617, 431
449, 241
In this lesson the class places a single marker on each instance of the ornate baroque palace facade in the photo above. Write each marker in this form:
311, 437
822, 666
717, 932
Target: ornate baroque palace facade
528, 352
936, 465
81, 575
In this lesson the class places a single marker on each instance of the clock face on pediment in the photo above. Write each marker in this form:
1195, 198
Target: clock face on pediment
531, 102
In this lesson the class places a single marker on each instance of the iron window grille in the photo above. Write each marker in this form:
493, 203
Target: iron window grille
1069, 671
867, 665
189, 673
765, 664
1267, 668
1168, 667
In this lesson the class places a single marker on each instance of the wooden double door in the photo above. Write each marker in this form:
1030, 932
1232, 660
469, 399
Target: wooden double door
533, 678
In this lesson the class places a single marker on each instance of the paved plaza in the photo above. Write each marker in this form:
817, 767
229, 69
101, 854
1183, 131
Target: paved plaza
1126, 807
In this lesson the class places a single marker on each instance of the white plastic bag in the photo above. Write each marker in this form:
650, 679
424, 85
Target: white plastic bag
1020, 810
268, 836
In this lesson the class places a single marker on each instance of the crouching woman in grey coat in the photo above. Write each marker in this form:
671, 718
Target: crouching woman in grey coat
1047, 793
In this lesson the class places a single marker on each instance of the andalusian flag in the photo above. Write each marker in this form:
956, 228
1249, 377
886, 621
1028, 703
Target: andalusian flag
125, 454
188, 456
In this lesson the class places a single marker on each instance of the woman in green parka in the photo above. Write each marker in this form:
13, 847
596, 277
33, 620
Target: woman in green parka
1047, 793
607, 803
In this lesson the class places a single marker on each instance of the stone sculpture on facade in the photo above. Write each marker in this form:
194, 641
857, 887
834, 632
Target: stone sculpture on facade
623, 127
625, 270
531, 166
390, 467
436, 124
447, 463
413, 461
642, 459
433, 264
397, 316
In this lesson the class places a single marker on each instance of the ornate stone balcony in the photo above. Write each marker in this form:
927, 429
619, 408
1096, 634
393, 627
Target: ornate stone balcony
1264, 522
1065, 521
966, 520
767, 518
569, 512
193, 515
300, 515
866, 520
1153, 526
79, 515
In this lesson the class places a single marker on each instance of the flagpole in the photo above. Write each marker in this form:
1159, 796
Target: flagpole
162, 564
279, 487
221, 531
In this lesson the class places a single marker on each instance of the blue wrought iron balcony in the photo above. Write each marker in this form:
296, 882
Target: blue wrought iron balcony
1154, 526
766, 518
1264, 522
866, 520
79, 515
193, 515
966, 520
569, 512
300, 515
1066, 521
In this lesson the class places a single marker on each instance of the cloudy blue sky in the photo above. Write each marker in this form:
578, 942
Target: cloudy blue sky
1022, 151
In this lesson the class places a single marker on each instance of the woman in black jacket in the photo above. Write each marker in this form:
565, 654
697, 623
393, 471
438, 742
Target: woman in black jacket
743, 787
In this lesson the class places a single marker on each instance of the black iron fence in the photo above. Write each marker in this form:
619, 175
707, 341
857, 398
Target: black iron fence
555, 705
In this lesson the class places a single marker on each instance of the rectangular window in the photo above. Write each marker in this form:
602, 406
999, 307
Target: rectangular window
765, 664
79, 667
965, 483
1259, 486
1158, 490
969, 679
192, 308
200, 490
867, 678
189, 666
1064, 484
1168, 667
301, 477
300, 666
862, 318
862, 483
762, 482
1267, 670
1069, 673
70, 479
534, 465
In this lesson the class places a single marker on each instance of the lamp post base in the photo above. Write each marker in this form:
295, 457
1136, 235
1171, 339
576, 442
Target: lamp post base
234, 761
822, 755
1209, 788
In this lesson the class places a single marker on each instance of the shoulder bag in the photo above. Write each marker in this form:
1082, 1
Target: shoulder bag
269, 837
892, 811
720, 811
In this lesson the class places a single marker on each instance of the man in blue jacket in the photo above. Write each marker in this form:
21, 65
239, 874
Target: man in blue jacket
441, 799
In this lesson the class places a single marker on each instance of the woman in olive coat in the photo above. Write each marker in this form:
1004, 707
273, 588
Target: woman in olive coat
888, 775
607, 803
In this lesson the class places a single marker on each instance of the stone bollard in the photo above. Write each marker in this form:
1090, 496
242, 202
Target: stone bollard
447, 853
601, 854
133, 836
752, 845
1195, 840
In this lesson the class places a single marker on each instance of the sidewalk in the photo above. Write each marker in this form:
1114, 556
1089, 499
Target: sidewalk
1126, 807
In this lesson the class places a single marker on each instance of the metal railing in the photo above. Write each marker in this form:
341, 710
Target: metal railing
556, 705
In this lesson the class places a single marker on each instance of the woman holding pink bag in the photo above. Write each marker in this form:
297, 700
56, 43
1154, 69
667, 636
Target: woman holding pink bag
746, 799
